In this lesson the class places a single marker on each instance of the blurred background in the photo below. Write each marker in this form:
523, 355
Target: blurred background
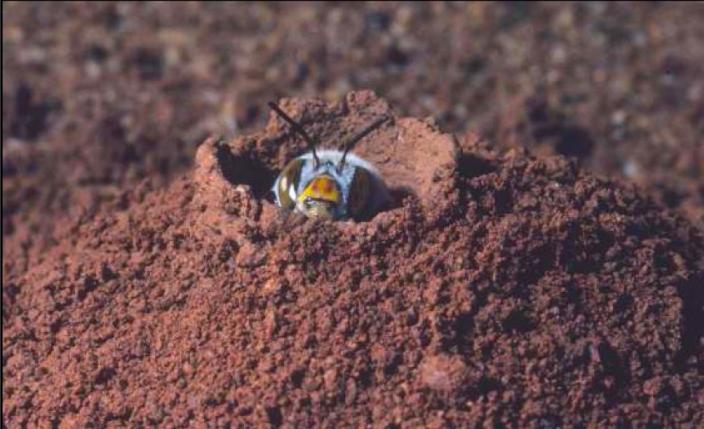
97, 97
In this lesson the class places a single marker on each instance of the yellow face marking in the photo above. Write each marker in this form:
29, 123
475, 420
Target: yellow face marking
321, 188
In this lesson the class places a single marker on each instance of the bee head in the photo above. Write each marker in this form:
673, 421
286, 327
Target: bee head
324, 185
321, 198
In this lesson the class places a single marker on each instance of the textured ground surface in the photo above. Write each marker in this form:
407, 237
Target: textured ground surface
508, 290
108, 269
98, 97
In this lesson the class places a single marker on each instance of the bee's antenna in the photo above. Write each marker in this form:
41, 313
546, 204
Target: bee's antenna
359, 136
297, 128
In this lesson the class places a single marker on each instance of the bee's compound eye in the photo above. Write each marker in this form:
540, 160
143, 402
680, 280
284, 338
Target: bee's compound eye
360, 192
288, 179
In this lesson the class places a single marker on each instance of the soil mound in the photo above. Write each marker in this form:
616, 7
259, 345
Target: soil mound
500, 290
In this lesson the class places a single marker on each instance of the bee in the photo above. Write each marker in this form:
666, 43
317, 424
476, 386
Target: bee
330, 184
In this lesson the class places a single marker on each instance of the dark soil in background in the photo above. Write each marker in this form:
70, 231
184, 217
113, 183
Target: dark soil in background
96, 98
506, 290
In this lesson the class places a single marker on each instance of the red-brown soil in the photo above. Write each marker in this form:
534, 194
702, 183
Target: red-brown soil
144, 285
501, 290
99, 96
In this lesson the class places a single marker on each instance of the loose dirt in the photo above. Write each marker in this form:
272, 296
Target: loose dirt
500, 290
99, 96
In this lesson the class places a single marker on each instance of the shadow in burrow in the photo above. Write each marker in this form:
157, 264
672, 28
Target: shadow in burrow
246, 169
